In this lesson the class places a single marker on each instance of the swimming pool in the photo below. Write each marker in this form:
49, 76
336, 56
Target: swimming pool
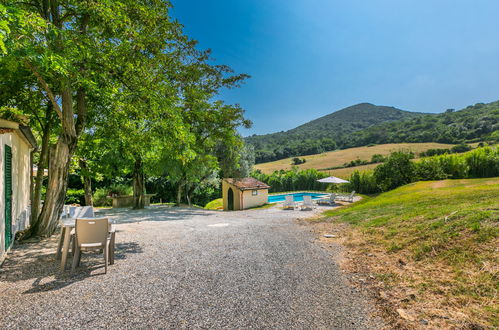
298, 197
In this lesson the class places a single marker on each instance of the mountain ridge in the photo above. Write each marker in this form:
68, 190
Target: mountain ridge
324, 133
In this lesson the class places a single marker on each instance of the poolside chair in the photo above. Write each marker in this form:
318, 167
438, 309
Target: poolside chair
347, 198
328, 200
92, 234
308, 203
289, 202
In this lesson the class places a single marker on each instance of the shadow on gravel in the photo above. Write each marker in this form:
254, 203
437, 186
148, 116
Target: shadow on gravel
37, 261
153, 213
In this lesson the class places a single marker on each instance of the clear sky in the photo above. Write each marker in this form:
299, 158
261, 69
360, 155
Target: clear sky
308, 58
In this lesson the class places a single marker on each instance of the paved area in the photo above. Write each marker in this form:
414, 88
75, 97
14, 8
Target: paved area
187, 268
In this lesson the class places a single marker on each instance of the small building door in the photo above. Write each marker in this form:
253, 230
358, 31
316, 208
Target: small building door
8, 196
230, 199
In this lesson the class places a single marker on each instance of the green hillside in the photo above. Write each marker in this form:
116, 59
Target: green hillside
472, 124
435, 239
325, 133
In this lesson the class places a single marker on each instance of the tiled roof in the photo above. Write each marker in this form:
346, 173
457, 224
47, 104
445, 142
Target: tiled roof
247, 183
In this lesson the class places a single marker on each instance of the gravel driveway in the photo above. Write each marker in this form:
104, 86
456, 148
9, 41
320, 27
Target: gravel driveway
187, 268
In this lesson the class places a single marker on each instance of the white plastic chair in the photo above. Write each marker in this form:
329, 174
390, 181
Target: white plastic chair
92, 234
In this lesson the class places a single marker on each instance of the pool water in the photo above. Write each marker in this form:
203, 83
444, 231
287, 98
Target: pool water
298, 197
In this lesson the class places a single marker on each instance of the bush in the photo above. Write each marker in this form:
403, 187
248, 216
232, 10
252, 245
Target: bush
460, 148
75, 196
396, 171
292, 180
100, 197
363, 183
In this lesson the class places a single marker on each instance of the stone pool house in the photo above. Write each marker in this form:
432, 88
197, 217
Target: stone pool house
16, 145
244, 193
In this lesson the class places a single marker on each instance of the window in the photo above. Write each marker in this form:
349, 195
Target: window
254, 193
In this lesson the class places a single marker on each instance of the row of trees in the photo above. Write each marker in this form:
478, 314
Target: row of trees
115, 89
399, 170
293, 180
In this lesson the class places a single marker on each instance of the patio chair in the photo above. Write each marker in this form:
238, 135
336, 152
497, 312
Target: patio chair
348, 198
92, 234
327, 200
289, 202
308, 203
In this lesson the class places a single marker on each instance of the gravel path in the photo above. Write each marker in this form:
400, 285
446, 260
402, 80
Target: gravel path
187, 268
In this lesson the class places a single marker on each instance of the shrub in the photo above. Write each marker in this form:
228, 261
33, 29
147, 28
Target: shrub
75, 196
396, 171
363, 183
100, 197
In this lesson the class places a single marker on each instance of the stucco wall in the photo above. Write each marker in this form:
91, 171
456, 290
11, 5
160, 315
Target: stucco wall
243, 199
251, 201
20, 184
237, 196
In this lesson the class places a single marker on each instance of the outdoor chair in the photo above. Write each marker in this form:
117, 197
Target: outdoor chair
348, 198
328, 200
92, 234
289, 202
308, 203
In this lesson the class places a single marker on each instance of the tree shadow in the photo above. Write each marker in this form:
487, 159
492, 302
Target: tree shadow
153, 213
37, 261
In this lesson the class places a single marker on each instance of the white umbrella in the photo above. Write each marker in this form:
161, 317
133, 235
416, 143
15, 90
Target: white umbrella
332, 179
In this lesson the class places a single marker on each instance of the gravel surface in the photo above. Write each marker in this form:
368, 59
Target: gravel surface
187, 268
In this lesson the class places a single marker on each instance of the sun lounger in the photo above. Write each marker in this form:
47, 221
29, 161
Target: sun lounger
308, 203
327, 200
289, 202
347, 198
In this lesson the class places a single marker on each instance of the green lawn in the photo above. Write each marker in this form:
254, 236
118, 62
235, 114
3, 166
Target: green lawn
448, 230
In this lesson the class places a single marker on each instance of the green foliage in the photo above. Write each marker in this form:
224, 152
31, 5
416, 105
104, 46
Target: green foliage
323, 134
363, 182
367, 125
399, 170
75, 196
450, 225
298, 161
100, 197
215, 204
292, 180
474, 123
13, 114
396, 171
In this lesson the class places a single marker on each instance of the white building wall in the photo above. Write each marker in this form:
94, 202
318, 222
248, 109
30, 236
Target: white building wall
20, 184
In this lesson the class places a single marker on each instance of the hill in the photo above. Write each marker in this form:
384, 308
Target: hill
339, 157
431, 248
324, 134
475, 123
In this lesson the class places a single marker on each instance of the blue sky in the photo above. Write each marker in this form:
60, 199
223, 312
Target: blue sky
308, 58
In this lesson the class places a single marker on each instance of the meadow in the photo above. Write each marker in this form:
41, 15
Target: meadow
433, 245
340, 157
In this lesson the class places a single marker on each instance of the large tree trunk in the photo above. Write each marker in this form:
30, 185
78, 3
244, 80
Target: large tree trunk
38, 184
60, 159
138, 185
87, 183
180, 188
188, 192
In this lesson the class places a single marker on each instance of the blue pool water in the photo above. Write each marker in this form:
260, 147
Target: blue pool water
298, 197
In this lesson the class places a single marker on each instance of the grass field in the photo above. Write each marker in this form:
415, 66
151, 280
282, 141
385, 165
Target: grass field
433, 245
339, 157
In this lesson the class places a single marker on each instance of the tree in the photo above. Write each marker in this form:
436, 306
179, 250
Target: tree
83, 53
